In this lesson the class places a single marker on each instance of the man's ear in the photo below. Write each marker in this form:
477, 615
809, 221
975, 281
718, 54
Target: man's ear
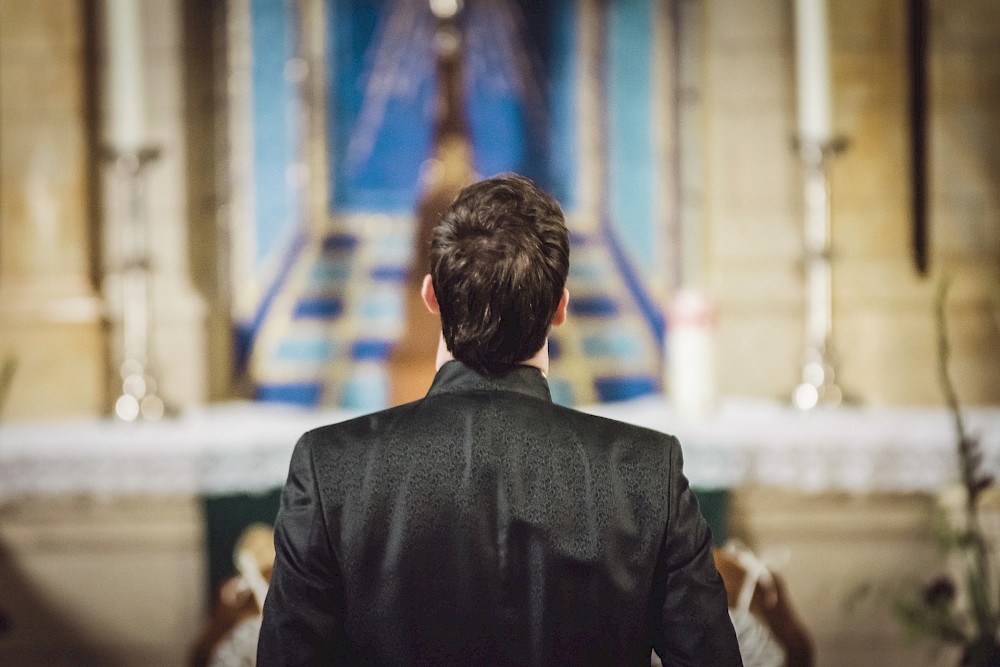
560, 315
427, 293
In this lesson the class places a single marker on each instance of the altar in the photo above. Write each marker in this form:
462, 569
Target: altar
103, 522
245, 448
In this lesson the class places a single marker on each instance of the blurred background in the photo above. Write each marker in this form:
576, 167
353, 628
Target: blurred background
212, 216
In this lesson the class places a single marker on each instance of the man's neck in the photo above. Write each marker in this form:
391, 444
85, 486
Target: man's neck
539, 361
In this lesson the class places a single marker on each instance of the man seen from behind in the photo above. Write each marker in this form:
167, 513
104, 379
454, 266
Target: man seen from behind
484, 524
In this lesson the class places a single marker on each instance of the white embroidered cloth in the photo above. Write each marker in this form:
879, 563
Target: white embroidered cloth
842, 449
245, 447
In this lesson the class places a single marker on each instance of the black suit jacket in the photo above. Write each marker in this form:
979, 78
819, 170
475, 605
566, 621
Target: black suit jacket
486, 525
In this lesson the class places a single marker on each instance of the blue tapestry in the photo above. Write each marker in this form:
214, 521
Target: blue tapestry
519, 80
331, 299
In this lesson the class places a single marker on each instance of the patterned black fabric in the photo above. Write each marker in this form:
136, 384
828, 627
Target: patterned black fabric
486, 525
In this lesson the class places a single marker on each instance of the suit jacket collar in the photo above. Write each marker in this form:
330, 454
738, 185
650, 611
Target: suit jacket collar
455, 376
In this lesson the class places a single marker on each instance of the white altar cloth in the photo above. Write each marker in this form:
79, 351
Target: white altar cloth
245, 447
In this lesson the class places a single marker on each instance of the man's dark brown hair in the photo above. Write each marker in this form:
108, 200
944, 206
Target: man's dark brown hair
499, 260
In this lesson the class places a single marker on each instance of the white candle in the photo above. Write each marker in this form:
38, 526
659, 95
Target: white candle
690, 355
812, 68
126, 84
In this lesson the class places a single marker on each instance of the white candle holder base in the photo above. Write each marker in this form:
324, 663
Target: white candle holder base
819, 386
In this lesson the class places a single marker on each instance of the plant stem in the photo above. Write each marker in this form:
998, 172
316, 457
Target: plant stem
986, 618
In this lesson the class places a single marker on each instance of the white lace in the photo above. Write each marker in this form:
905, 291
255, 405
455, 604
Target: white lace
245, 447
849, 449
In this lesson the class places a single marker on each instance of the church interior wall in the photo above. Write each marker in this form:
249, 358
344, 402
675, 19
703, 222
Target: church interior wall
101, 564
746, 213
883, 324
48, 299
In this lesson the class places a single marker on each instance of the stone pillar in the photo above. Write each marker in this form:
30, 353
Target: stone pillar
749, 187
50, 317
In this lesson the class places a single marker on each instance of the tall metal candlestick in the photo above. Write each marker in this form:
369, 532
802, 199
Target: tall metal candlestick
129, 155
819, 365
817, 148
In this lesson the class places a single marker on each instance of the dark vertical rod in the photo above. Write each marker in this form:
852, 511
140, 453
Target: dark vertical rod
93, 119
918, 24
603, 103
678, 97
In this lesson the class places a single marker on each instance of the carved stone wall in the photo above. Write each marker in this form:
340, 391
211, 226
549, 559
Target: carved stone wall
90, 581
62, 211
883, 324
50, 317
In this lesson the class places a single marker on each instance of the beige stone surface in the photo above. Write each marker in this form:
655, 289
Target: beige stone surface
43, 200
843, 558
882, 309
890, 355
757, 351
746, 289
872, 228
754, 75
742, 23
60, 365
101, 581
41, 82
967, 230
42, 26
750, 171
50, 317
867, 25
750, 153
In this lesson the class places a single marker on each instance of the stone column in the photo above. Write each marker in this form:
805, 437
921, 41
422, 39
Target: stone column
50, 317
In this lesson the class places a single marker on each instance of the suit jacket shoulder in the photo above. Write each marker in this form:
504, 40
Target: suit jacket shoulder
485, 524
